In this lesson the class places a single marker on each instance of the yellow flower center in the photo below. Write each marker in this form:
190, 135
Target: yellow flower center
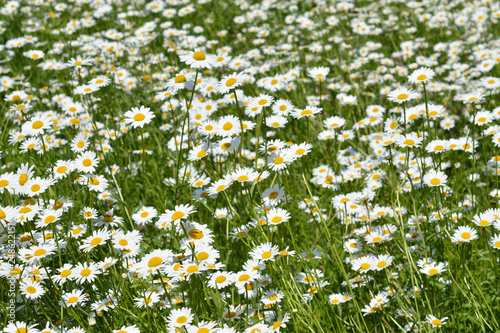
230, 82
220, 279
139, 117
244, 277
195, 234
278, 160
192, 269
155, 261
202, 256
365, 266
266, 255
72, 299
200, 56
95, 241
435, 181
65, 273
180, 79
273, 195
39, 252
437, 322
37, 124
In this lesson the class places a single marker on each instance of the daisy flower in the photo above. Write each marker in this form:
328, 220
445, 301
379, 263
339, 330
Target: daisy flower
183, 80
421, 75
203, 327
464, 234
279, 323
311, 254
156, 259
364, 264
180, 317
334, 122
278, 161
73, 298
231, 313
100, 81
34, 54
409, 140
491, 82
276, 121
64, 274
144, 215
495, 241
147, 301
138, 117
273, 195
36, 253
128, 329
483, 118
99, 237
37, 125
7, 181
309, 111
265, 252
179, 212
19, 327
228, 126
282, 107
85, 89
277, 216
96, 183
30, 144
79, 61
435, 178
37, 186
318, 73
197, 234
336, 299
16, 96
263, 100
62, 168
382, 261
231, 82
433, 269
32, 289
299, 150
272, 296
472, 98
219, 186
435, 322
401, 95
86, 162
220, 280
353, 245
89, 213
198, 59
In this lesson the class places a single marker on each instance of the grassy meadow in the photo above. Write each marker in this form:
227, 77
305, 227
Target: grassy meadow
249, 166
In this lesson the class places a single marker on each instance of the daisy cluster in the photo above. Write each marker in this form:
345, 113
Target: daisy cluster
242, 167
